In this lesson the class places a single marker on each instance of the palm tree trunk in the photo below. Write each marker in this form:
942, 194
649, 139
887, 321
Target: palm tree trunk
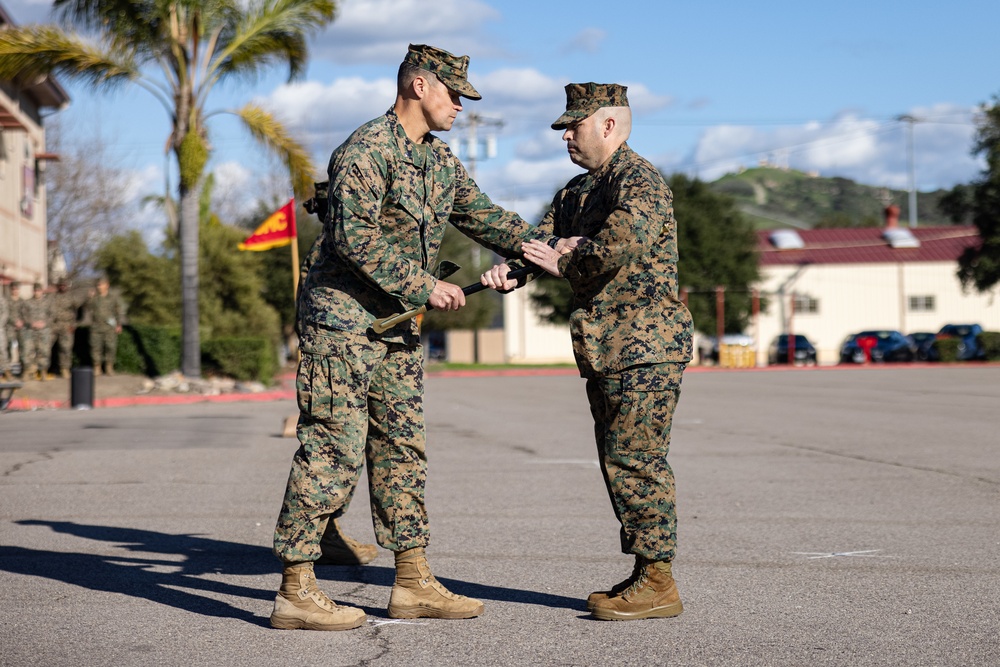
190, 334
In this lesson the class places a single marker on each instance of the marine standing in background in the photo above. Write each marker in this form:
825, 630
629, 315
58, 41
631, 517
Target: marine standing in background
394, 187
107, 315
35, 335
14, 325
5, 321
631, 333
64, 318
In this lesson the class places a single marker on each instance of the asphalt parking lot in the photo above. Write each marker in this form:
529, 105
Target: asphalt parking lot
827, 517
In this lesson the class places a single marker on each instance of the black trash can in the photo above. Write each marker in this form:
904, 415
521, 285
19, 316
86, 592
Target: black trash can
81, 388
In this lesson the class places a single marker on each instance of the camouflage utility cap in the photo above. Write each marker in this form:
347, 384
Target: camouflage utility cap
452, 70
583, 99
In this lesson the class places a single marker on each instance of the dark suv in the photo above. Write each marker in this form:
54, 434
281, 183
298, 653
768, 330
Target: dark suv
804, 351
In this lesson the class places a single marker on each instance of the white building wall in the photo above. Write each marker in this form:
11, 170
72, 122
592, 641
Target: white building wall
852, 298
856, 297
529, 340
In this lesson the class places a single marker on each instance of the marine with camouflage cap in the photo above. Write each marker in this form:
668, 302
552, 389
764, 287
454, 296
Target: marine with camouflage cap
631, 333
393, 189
107, 315
5, 322
64, 317
35, 339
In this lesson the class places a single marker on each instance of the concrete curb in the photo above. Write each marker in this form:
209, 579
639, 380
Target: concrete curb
27, 404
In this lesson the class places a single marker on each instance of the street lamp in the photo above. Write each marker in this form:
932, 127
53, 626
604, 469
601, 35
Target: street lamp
910, 120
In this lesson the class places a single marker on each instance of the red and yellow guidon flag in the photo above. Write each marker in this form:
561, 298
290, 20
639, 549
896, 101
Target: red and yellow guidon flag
276, 231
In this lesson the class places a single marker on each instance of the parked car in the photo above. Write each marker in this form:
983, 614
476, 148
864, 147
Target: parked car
890, 345
968, 342
924, 340
804, 351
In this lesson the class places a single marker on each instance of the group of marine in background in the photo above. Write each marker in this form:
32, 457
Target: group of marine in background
31, 328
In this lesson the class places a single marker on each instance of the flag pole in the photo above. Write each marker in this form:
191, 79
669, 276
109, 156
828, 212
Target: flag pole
295, 267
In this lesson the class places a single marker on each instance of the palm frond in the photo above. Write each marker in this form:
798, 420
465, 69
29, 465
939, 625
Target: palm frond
266, 129
31, 51
135, 23
273, 31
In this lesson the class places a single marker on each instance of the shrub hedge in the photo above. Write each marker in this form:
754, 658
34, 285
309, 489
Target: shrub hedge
156, 351
947, 349
240, 358
989, 341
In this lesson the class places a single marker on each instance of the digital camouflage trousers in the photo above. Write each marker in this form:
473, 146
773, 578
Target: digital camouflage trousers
360, 402
633, 411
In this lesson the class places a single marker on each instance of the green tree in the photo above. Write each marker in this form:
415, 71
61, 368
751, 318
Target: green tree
178, 50
979, 202
149, 283
231, 296
480, 308
717, 246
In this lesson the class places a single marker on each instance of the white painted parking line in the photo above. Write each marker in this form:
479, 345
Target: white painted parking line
869, 553
589, 463
377, 622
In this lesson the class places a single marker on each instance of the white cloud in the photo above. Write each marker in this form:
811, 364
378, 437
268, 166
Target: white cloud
324, 115
869, 151
378, 31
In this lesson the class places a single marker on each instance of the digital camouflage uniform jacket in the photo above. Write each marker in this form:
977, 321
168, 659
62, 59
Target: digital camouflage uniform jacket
390, 202
35, 310
625, 305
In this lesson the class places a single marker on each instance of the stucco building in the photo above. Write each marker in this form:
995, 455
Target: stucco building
24, 251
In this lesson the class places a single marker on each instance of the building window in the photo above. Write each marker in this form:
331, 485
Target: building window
806, 304
922, 304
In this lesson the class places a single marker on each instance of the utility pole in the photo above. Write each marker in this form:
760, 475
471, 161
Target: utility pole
469, 151
910, 120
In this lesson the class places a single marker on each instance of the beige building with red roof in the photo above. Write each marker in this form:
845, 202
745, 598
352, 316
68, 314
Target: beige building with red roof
824, 284
828, 283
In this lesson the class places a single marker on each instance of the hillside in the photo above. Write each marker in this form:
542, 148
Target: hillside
774, 197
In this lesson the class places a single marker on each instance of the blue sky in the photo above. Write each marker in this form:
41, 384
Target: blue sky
714, 86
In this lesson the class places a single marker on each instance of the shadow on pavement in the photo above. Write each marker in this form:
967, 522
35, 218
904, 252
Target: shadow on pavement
158, 579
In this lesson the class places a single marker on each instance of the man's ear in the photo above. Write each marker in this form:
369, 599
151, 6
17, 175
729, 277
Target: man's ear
419, 86
609, 127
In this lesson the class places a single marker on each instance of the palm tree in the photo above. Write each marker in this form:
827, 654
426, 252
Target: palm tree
178, 51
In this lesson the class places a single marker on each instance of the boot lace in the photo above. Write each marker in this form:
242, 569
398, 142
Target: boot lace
638, 584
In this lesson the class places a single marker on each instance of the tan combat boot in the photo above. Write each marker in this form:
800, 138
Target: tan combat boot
97, 371
652, 595
64, 373
417, 594
617, 589
341, 549
30, 373
301, 605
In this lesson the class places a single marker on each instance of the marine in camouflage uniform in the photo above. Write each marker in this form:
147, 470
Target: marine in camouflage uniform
5, 320
393, 189
64, 311
107, 315
35, 335
631, 333
13, 329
